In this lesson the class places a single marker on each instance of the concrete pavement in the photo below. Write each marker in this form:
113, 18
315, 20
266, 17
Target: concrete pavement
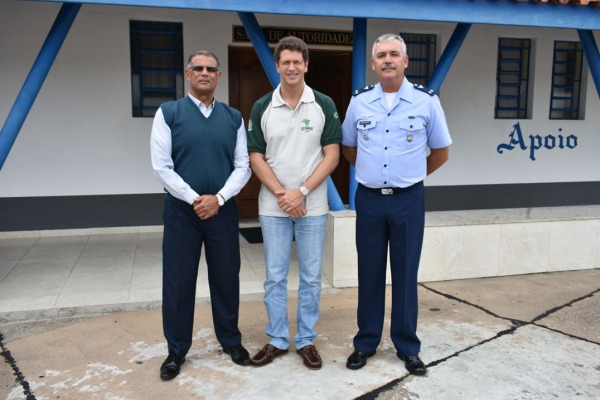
519, 337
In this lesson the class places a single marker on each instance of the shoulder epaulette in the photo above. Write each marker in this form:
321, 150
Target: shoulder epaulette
422, 88
365, 89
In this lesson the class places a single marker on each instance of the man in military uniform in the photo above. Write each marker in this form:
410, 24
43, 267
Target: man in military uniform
386, 134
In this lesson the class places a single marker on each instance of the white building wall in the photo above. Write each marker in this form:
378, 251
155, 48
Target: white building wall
468, 96
80, 137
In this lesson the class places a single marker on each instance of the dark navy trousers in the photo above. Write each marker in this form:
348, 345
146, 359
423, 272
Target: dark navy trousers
183, 238
396, 222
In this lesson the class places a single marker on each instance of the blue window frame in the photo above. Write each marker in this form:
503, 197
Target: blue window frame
512, 79
156, 65
566, 80
421, 52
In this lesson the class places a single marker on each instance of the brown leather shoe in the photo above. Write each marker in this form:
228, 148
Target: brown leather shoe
311, 357
266, 355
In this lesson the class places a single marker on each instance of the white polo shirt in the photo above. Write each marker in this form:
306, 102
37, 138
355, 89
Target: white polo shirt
292, 141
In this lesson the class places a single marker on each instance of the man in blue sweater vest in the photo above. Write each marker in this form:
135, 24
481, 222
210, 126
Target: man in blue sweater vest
199, 154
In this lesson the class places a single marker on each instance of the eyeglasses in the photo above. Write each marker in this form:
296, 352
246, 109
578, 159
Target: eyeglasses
295, 63
200, 68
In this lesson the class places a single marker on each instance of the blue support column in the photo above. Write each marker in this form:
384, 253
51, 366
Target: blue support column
261, 46
333, 196
35, 79
446, 60
359, 71
591, 53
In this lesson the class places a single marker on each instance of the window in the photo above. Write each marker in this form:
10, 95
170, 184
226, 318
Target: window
421, 52
566, 80
512, 79
156, 65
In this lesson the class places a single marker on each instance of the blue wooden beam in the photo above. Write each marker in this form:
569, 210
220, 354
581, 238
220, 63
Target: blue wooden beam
261, 46
333, 196
35, 79
447, 58
498, 12
359, 72
591, 53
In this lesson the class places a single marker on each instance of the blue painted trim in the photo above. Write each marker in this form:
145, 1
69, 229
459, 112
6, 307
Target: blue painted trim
261, 46
35, 79
498, 12
359, 72
591, 53
565, 92
446, 60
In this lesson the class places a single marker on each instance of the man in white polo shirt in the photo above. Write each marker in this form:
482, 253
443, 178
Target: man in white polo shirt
294, 137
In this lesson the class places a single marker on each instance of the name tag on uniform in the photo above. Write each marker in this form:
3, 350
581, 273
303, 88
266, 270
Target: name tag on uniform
363, 124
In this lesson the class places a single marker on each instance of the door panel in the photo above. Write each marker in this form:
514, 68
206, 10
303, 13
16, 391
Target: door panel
247, 83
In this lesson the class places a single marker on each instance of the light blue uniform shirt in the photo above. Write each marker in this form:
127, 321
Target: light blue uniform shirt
392, 142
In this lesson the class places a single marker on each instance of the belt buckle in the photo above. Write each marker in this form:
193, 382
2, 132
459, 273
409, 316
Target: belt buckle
387, 191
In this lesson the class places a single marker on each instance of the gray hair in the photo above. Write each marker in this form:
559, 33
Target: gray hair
388, 37
202, 53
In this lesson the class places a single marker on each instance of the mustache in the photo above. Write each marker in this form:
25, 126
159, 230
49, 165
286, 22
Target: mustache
388, 66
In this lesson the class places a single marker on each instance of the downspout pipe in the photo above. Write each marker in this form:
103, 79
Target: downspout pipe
34, 81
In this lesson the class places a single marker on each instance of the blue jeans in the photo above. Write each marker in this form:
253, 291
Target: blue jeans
278, 234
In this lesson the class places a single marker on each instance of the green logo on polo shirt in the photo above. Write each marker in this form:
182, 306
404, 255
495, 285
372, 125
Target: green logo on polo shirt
306, 127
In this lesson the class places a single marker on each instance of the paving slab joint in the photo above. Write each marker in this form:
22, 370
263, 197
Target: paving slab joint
558, 308
485, 310
20, 379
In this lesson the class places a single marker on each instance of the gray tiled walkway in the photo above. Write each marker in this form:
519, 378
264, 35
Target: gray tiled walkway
530, 337
73, 270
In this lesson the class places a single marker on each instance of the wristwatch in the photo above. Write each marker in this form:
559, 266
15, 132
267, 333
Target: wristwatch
304, 191
220, 199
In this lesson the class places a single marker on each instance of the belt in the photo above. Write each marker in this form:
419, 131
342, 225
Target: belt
389, 190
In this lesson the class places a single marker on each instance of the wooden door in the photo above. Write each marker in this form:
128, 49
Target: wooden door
329, 72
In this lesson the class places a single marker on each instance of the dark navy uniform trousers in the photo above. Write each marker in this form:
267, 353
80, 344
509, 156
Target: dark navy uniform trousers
398, 221
184, 235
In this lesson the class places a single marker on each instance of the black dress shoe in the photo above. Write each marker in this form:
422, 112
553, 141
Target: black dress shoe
413, 364
239, 354
170, 367
358, 359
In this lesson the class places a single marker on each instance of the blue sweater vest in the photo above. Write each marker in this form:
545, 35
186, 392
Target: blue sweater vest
202, 148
